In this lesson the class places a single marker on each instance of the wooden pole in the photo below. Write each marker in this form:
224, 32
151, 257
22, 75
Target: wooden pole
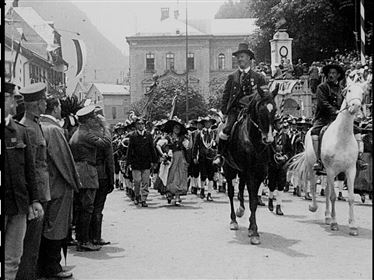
186, 65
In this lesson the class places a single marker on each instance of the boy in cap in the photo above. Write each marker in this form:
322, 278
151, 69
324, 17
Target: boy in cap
35, 104
21, 194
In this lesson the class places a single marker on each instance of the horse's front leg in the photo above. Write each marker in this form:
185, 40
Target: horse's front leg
252, 186
230, 191
329, 185
351, 174
334, 224
240, 210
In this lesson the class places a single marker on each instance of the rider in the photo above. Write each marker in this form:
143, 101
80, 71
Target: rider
329, 100
244, 82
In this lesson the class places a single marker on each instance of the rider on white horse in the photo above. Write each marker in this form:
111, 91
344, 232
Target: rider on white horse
329, 100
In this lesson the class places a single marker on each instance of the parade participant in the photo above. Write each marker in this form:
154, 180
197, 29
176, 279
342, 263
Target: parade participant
20, 185
194, 168
244, 82
20, 108
84, 144
177, 178
141, 157
105, 172
314, 78
35, 104
329, 100
277, 173
63, 182
204, 152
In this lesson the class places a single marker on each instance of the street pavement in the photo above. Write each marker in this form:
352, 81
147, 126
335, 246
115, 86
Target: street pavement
193, 241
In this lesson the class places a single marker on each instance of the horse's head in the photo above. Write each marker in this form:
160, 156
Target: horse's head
353, 95
263, 114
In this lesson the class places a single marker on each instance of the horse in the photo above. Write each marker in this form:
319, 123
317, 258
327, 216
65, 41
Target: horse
247, 155
339, 152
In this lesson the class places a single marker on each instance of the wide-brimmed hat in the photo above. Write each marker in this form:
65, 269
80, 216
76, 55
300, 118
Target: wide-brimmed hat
327, 68
244, 48
169, 125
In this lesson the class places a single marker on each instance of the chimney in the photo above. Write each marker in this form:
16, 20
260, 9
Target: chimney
15, 3
164, 13
176, 14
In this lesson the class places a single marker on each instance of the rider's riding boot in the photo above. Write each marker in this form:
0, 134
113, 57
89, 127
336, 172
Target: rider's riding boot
361, 164
317, 149
222, 144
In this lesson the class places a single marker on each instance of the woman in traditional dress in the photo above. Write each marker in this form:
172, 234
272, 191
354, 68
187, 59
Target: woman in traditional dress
177, 178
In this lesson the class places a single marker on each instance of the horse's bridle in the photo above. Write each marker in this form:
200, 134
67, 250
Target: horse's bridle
347, 102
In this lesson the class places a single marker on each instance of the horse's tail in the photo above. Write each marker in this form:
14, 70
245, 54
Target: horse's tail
297, 162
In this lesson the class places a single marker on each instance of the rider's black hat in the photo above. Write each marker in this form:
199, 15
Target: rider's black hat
337, 67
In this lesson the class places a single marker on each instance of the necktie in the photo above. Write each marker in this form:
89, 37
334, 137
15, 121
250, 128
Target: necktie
241, 79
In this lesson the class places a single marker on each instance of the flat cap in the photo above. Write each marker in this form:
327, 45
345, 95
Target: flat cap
34, 92
86, 111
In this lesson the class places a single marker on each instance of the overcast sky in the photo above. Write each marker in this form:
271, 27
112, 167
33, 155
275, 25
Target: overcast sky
117, 19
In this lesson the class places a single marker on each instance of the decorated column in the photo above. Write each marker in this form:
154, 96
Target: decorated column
281, 47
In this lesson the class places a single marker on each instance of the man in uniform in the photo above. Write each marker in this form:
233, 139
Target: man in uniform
21, 193
329, 100
63, 182
84, 144
35, 104
105, 171
244, 82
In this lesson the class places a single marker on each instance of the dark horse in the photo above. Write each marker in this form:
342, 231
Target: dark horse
247, 154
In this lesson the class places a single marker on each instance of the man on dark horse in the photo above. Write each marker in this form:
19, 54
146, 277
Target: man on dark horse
329, 100
242, 84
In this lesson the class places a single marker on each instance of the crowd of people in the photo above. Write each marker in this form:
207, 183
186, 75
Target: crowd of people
57, 176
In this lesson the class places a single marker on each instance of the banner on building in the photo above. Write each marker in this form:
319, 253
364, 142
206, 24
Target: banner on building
81, 55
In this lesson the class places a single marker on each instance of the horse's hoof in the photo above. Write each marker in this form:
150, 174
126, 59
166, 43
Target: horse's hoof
353, 231
334, 227
255, 240
327, 221
239, 212
234, 226
313, 208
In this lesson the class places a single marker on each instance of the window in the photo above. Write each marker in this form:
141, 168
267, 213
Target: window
190, 61
150, 62
170, 61
221, 61
114, 113
234, 63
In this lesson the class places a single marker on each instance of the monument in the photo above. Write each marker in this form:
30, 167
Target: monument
281, 47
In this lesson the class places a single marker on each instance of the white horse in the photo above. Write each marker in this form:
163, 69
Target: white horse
339, 152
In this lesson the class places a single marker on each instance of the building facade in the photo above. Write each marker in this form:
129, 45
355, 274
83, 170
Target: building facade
33, 51
161, 48
114, 99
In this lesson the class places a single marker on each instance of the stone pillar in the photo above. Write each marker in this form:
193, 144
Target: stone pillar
281, 47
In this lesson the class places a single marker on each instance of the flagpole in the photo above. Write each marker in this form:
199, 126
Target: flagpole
186, 65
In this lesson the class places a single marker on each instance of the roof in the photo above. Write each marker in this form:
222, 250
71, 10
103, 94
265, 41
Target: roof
112, 89
215, 27
167, 27
37, 23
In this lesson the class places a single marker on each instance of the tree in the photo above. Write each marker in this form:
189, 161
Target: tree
234, 10
160, 105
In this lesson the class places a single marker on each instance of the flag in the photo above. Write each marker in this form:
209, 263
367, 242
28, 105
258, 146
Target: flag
81, 55
172, 107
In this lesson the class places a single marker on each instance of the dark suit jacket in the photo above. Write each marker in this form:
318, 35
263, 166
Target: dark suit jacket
19, 170
234, 91
141, 151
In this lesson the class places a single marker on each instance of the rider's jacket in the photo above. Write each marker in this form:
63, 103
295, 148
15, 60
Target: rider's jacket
237, 87
329, 100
